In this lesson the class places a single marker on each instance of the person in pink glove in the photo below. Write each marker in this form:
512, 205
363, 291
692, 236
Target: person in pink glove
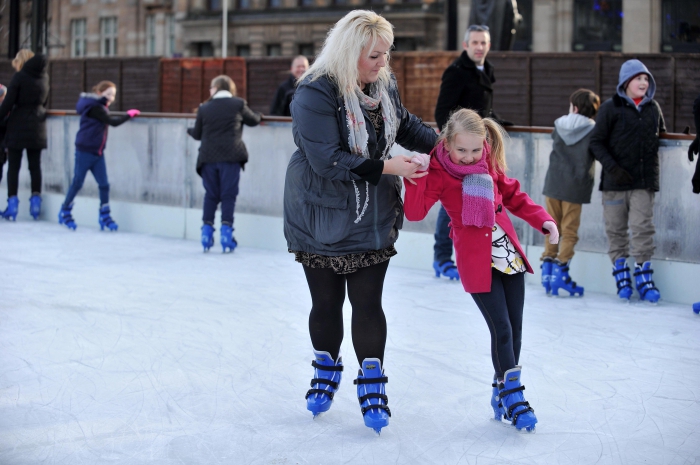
90, 142
467, 175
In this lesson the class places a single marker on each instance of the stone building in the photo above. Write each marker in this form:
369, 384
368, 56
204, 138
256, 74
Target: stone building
93, 28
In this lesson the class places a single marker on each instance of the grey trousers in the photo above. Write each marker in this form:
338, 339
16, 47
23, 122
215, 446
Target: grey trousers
636, 208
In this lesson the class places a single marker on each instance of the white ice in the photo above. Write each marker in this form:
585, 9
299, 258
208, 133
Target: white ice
126, 348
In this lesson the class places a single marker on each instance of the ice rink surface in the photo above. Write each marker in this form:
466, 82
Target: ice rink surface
126, 348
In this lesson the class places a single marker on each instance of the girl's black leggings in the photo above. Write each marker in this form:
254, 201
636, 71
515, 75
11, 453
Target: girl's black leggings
14, 158
365, 288
502, 309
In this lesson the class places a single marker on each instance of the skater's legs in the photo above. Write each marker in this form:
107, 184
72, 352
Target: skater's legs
326, 318
554, 209
570, 222
83, 163
443, 244
514, 290
3, 159
494, 308
14, 163
210, 179
615, 212
365, 288
34, 163
99, 171
229, 176
642, 225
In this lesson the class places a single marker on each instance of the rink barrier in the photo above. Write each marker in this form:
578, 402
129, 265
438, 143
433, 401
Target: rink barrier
155, 189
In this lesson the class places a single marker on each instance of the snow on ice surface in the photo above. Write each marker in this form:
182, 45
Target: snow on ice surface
126, 348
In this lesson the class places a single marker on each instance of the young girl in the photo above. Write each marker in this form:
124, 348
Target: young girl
90, 142
467, 175
219, 126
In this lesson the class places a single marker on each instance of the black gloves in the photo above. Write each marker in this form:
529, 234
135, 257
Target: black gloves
694, 148
696, 177
621, 176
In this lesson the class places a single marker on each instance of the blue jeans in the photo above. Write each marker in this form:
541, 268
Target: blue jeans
84, 162
443, 243
221, 185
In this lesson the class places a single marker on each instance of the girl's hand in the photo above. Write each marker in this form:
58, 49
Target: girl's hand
401, 165
422, 160
551, 228
133, 113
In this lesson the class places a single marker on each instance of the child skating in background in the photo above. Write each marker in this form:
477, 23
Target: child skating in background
90, 142
567, 185
467, 175
222, 155
626, 142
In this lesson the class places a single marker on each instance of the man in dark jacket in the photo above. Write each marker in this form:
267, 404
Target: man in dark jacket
694, 148
466, 83
285, 92
625, 141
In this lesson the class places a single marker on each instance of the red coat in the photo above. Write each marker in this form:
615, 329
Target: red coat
473, 244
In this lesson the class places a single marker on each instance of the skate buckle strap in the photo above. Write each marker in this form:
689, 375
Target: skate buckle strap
381, 406
647, 284
521, 411
383, 379
326, 367
506, 392
319, 391
373, 395
330, 383
444, 268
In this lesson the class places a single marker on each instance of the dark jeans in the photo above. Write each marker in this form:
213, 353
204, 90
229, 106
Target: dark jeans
221, 185
502, 309
443, 243
84, 162
14, 157
365, 288
3, 159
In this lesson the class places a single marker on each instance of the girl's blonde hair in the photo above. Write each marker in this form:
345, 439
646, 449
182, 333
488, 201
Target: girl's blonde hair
469, 122
21, 58
344, 44
103, 86
224, 82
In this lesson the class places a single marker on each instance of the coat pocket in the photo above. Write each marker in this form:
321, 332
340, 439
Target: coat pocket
327, 215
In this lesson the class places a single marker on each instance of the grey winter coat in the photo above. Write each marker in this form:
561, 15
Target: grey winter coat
571, 171
320, 203
627, 135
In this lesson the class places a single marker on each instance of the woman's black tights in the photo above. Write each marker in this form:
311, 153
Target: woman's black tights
365, 288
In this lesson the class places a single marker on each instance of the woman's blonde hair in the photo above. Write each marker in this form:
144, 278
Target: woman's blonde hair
344, 44
224, 82
469, 122
21, 58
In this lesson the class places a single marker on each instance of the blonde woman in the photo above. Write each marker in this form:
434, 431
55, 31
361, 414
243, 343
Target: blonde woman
25, 103
342, 207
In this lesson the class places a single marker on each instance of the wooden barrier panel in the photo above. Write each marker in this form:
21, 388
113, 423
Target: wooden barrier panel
140, 83
265, 75
66, 82
170, 86
687, 86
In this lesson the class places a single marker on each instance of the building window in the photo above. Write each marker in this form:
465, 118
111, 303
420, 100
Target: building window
597, 25
243, 50
78, 37
108, 36
169, 35
306, 49
523, 36
274, 50
680, 29
275, 3
244, 4
204, 49
150, 35
214, 5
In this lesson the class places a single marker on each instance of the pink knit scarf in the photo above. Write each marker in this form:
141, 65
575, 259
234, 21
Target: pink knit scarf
477, 187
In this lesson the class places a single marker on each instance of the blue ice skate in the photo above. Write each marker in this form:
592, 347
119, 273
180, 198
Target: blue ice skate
371, 394
65, 217
517, 410
106, 220
10, 212
546, 268
325, 383
623, 280
496, 404
227, 239
696, 307
35, 206
207, 236
645, 285
562, 280
447, 269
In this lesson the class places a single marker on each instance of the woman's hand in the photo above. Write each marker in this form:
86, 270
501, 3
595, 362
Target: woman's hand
551, 228
402, 165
